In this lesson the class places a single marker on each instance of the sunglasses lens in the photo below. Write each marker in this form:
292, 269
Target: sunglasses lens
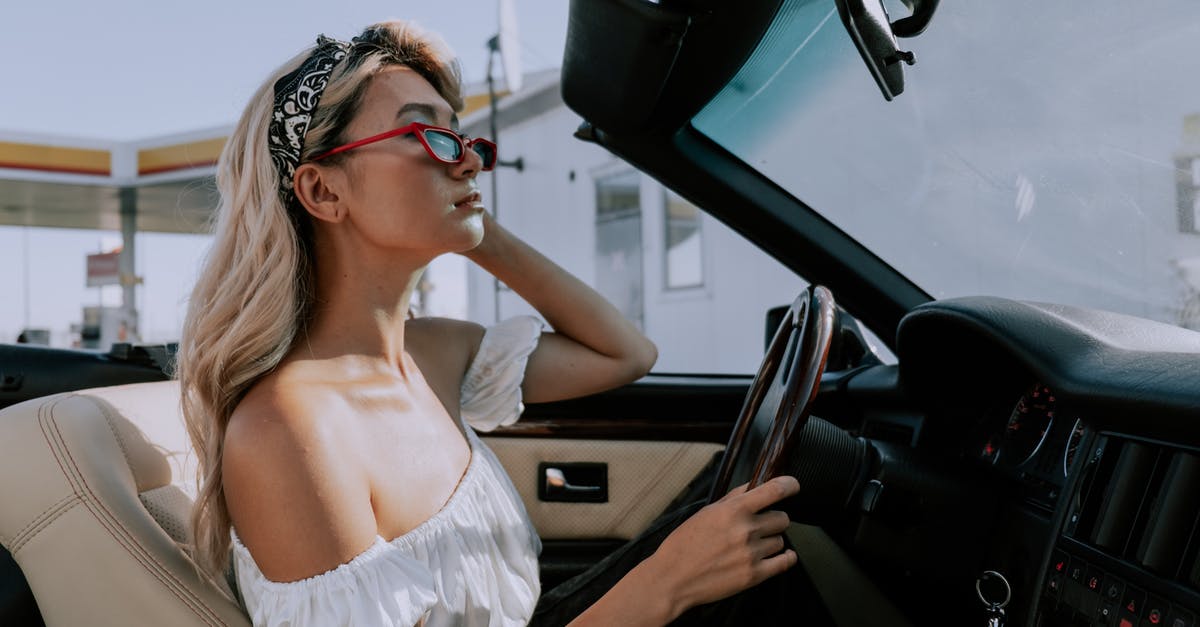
444, 145
487, 152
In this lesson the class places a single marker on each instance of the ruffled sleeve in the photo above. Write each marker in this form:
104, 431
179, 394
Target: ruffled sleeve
381, 586
491, 390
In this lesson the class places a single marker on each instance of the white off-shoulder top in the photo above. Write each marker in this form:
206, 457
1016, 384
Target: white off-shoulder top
473, 563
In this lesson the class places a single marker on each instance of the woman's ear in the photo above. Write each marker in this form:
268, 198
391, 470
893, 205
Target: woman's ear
317, 190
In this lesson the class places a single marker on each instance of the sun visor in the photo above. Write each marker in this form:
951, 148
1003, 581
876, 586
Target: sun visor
633, 65
618, 56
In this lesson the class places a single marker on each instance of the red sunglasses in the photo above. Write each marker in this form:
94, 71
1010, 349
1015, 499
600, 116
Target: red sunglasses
443, 144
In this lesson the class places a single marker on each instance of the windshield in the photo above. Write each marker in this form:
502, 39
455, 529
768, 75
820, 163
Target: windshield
1040, 151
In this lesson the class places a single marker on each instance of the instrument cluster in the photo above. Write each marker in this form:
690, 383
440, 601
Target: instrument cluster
1034, 439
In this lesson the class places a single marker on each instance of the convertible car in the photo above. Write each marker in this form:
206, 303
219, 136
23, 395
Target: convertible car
1004, 194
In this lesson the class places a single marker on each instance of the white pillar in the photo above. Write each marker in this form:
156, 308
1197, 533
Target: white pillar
125, 261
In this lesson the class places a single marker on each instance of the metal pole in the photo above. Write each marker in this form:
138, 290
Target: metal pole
493, 48
25, 243
125, 261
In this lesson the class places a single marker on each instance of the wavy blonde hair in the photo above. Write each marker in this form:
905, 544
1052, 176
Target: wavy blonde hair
255, 292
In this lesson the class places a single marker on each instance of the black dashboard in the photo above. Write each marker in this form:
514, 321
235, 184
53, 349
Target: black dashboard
1086, 428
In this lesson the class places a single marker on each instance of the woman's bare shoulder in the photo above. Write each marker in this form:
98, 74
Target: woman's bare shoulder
281, 414
443, 344
296, 496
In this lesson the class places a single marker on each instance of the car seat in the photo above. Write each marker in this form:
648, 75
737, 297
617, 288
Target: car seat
96, 488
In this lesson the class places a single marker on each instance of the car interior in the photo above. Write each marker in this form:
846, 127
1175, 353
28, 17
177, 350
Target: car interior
1026, 462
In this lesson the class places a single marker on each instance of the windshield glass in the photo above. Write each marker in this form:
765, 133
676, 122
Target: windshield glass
1040, 151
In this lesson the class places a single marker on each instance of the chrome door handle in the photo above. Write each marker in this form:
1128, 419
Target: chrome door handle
556, 483
588, 483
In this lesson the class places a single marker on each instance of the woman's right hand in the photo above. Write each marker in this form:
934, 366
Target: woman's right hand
727, 546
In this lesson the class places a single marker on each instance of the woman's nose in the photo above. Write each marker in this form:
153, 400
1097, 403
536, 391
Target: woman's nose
471, 164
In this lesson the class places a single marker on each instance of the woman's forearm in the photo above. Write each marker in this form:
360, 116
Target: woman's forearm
640, 599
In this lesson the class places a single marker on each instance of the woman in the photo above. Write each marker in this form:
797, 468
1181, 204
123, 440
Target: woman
336, 437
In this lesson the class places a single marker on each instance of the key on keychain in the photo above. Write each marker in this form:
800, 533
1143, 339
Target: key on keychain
995, 583
995, 616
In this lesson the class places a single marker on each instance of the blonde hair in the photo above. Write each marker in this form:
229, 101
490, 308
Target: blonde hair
255, 292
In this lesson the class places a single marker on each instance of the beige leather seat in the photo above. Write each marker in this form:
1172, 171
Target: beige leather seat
95, 487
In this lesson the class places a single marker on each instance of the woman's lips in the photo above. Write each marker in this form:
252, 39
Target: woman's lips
474, 199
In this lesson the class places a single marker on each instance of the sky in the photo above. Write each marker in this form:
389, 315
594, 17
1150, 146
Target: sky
126, 70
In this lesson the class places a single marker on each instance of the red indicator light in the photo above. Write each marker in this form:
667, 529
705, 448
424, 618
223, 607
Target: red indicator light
1125, 623
1094, 583
1155, 617
1060, 566
1132, 607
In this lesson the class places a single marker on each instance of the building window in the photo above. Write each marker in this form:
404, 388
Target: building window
683, 252
619, 243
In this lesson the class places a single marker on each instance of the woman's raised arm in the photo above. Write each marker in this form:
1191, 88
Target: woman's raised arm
593, 348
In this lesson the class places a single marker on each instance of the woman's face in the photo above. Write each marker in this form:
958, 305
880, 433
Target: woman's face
396, 195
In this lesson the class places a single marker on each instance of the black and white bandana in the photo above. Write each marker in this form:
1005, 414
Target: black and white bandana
296, 97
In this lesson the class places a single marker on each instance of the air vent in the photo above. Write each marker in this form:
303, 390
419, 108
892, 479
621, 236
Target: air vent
1171, 518
1140, 503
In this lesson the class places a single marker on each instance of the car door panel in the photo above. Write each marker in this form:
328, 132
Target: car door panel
644, 477
654, 437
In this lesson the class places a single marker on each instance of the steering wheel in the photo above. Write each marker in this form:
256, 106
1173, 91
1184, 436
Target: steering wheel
780, 399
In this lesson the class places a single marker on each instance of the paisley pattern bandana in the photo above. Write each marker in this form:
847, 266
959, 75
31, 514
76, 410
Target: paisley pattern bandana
296, 97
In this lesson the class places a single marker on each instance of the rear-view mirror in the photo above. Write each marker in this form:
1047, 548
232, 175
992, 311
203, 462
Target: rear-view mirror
874, 35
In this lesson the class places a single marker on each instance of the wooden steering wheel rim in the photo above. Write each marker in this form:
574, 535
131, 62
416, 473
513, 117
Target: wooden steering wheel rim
808, 329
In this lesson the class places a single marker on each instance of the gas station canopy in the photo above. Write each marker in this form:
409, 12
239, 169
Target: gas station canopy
56, 182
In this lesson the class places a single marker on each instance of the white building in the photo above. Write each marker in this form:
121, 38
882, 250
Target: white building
672, 269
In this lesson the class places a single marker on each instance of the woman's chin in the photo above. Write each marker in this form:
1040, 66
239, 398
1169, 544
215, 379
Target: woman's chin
473, 231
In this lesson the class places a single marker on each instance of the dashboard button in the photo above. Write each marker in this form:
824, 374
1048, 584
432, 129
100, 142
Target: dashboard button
1059, 561
1090, 602
1107, 614
1092, 578
1054, 584
1156, 611
1132, 603
1112, 589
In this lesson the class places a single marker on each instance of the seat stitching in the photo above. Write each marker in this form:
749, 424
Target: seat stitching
76, 477
33, 533
111, 524
35, 526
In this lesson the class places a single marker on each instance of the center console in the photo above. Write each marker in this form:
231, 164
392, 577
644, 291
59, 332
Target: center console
1127, 555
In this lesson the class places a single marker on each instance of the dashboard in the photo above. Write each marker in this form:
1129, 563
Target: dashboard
1085, 429
1125, 552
